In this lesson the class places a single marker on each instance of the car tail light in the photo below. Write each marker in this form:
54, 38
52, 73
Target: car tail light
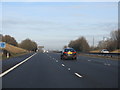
74, 53
65, 52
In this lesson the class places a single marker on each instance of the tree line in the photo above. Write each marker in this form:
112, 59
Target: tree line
81, 44
27, 44
112, 43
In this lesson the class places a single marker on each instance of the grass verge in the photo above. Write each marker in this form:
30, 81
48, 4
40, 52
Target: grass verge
14, 55
97, 56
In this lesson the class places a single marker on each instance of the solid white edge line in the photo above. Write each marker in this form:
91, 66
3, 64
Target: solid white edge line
7, 71
78, 75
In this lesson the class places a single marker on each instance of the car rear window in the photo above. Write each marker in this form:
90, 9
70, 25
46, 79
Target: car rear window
71, 50
105, 50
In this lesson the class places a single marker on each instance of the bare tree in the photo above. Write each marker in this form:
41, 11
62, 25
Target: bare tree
115, 35
112, 43
65, 46
80, 45
10, 40
28, 45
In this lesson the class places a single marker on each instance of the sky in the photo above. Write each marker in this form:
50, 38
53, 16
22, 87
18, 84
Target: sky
55, 24
60, 0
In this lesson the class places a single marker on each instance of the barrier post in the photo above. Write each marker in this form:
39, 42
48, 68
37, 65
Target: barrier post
8, 55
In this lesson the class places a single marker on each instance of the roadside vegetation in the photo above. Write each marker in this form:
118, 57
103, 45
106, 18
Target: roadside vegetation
13, 51
28, 45
13, 48
80, 45
112, 44
10, 40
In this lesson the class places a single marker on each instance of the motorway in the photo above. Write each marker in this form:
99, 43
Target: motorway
46, 70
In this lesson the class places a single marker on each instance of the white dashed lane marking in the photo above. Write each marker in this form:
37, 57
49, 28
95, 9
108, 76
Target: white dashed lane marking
56, 60
78, 75
69, 69
63, 65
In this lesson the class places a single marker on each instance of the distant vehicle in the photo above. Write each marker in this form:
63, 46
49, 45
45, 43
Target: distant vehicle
69, 53
43, 51
104, 51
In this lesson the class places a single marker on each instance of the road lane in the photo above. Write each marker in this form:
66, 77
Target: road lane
8, 63
15, 66
94, 70
41, 72
48, 71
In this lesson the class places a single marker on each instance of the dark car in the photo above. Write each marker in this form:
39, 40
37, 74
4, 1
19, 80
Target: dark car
69, 53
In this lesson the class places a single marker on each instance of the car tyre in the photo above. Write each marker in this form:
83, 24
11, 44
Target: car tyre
61, 57
75, 58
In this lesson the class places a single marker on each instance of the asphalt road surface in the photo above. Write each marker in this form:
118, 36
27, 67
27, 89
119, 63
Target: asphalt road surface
46, 70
